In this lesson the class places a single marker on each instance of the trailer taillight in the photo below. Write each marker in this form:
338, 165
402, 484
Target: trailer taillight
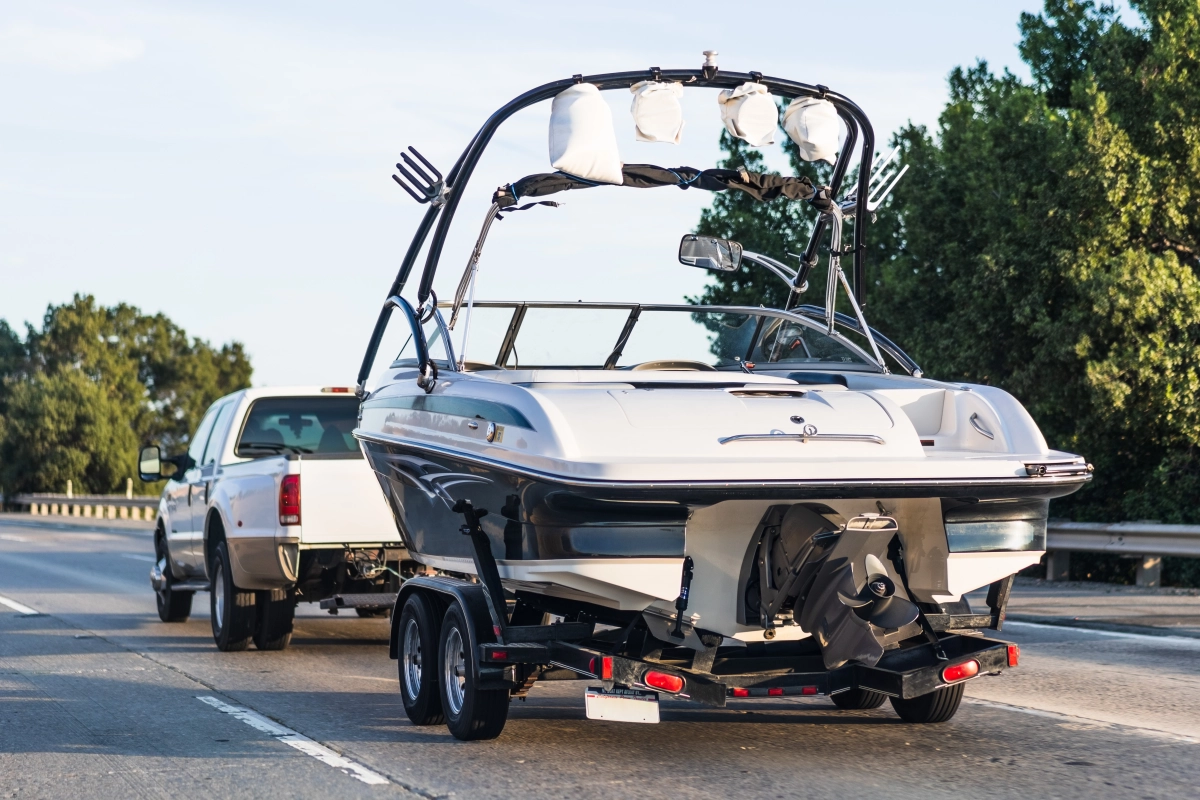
960, 672
289, 500
1014, 655
775, 691
738, 691
664, 681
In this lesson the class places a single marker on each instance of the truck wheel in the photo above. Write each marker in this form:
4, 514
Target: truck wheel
173, 606
858, 699
276, 610
936, 706
232, 609
471, 713
418, 662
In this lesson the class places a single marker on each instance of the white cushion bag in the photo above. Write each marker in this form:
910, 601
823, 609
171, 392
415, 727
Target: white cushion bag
657, 115
582, 140
749, 113
813, 124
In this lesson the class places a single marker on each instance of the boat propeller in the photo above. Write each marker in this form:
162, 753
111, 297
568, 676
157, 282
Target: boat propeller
876, 601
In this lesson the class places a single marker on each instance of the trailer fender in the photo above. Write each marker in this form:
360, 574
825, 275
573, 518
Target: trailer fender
445, 591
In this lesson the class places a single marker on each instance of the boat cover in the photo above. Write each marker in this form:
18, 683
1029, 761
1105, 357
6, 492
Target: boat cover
814, 126
759, 185
582, 140
657, 115
749, 112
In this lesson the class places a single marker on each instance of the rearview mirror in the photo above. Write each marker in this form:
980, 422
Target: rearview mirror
708, 252
152, 467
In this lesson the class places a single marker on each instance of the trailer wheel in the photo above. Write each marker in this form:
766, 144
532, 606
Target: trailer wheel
418, 662
173, 606
858, 699
471, 713
929, 708
276, 611
232, 609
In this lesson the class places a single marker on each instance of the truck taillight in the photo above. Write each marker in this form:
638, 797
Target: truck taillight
289, 500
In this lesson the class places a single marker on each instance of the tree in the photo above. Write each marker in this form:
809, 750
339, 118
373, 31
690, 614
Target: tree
83, 392
1046, 241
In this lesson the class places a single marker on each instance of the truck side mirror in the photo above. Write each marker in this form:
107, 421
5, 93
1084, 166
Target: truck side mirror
152, 467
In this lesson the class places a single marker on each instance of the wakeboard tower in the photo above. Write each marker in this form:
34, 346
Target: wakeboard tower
791, 508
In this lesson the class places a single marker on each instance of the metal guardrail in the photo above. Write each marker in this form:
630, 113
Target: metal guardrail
99, 506
1146, 541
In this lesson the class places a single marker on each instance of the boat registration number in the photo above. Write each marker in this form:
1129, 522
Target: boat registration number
621, 705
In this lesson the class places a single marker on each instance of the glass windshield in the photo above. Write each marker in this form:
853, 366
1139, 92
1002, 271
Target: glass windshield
320, 425
590, 337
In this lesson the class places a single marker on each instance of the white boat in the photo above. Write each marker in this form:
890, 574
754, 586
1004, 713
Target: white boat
724, 475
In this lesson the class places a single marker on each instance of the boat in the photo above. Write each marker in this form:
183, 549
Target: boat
719, 476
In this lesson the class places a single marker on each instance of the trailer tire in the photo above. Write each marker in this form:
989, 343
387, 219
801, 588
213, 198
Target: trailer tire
471, 713
418, 662
938, 706
173, 606
232, 609
276, 610
858, 699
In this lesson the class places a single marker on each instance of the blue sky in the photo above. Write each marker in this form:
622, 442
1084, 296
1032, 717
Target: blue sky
228, 163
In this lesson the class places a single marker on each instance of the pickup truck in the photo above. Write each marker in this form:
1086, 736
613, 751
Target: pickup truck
233, 520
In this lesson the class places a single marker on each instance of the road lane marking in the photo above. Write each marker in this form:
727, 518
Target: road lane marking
1178, 641
298, 741
8, 537
1074, 719
138, 557
24, 611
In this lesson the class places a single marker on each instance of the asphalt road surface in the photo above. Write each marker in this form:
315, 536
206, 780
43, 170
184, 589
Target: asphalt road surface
98, 699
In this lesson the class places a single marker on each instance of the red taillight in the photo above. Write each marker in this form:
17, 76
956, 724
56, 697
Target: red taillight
1014, 655
606, 668
289, 500
960, 672
336, 389
740, 692
664, 681
499, 655
809, 690
775, 692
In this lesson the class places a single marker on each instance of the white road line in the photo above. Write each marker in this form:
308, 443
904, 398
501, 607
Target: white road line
1077, 720
8, 537
138, 557
24, 611
1178, 641
299, 741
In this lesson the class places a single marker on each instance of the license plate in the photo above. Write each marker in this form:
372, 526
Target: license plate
621, 705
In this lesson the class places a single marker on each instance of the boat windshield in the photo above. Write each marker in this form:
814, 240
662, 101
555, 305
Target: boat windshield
628, 336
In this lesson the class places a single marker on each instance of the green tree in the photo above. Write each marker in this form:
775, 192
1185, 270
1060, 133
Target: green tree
93, 383
1046, 240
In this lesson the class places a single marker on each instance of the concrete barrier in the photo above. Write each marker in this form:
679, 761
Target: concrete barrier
98, 506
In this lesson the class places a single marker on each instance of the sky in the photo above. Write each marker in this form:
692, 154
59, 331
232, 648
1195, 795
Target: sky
228, 164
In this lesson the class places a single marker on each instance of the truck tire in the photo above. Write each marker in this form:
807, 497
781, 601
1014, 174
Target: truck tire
173, 606
858, 699
276, 610
232, 609
930, 708
471, 713
418, 647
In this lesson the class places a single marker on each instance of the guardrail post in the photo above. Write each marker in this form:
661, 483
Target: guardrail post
1058, 565
1149, 571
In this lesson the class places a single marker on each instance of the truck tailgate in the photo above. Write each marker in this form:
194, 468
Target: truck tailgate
341, 502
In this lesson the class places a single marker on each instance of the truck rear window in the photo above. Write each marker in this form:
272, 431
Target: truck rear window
304, 425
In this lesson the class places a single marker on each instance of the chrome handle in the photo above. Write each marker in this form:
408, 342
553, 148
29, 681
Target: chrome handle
978, 426
802, 437
473, 426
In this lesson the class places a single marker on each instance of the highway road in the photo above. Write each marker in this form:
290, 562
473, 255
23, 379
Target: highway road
98, 699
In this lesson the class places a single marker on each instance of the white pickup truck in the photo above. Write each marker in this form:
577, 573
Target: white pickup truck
272, 505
